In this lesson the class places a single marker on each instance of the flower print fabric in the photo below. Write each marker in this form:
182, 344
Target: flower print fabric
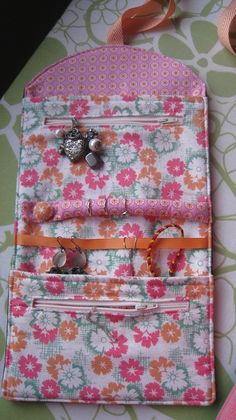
64, 354
162, 162
160, 357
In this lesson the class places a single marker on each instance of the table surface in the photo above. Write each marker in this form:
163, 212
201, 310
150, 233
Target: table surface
193, 40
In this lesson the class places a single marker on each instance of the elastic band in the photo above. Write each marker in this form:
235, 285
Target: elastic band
113, 243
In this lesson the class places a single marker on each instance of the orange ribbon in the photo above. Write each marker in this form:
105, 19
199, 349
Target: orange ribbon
152, 15
113, 243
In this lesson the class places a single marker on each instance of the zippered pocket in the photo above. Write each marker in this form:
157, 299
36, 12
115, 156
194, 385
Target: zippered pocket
127, 308
138, 120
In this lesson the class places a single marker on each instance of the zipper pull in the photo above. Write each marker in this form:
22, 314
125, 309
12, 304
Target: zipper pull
146, 306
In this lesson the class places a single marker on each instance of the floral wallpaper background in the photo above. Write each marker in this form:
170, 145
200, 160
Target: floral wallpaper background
192, 39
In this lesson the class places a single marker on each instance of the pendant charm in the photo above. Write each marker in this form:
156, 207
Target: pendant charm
76, 146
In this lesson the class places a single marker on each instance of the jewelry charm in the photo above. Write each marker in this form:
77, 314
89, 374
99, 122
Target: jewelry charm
76, 146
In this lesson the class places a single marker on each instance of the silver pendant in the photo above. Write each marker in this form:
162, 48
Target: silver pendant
76, 146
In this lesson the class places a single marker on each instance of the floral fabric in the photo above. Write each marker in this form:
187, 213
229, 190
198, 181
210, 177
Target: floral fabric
165, 165
60, 354
154, 358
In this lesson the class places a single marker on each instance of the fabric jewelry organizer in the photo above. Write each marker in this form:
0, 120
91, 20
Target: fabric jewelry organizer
150, 114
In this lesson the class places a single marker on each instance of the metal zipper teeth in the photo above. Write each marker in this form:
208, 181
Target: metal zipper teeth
120, 307
95, 121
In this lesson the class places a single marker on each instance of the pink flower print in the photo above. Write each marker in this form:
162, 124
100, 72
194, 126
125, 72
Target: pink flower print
47, 252
73, 191
132, 139
44, 335
124, 270
51, 157
119, 346
50, 389
181, 261
131, 231
54, 285
29, 178
126, 177
110, 112
79, 108
192, 395
202, 138
29, 366
27, 267
203, 365
171, 191
202, 199
96, 180
18, 307
89, 394
153, 391
173, 105
131, 370
175, 167
128, 98
114, 318
145, 338
156, 288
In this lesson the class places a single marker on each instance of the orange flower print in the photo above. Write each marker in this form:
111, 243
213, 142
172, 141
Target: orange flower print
170, 332
112, 288
111, 392
108, 137
178, 130
38, 141
10, 386
18, 341
151, 173
193, 183
68, 330
195, 290
43, 212
79, 169
144, 270
53, 175
198, 119
148, 156
204, 230
79, 221
93, 290
188, 271
107, 228
55, 365
158, 367
99, 99
101, 365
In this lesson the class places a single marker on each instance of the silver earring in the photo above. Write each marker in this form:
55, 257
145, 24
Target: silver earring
79, 259
59, 259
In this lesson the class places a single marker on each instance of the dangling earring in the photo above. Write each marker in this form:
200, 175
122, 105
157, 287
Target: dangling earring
79, 259
59, 260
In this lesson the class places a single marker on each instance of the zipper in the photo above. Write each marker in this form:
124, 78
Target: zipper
121, 307
95, 121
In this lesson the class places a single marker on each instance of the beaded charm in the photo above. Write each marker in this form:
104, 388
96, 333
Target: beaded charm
76, 146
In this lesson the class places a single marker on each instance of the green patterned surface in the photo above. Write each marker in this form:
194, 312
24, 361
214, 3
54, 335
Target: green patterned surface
193, 40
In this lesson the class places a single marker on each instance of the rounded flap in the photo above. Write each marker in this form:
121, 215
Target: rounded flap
112, 70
